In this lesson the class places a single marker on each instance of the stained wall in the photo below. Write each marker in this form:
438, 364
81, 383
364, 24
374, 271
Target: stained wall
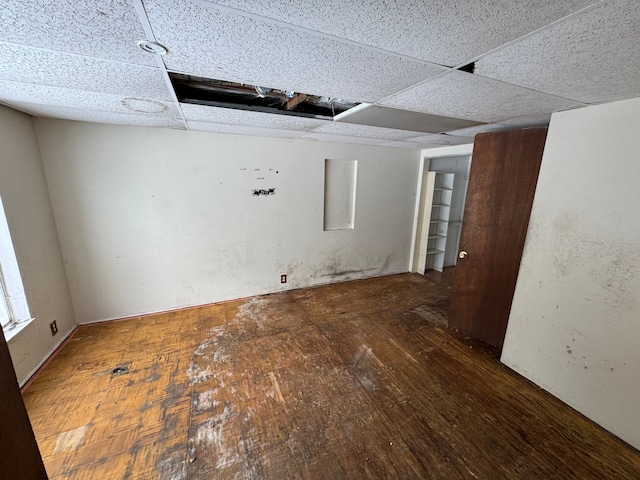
574, 323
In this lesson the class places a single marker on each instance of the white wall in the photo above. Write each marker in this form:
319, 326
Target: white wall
29, 216
154, 219
574, 327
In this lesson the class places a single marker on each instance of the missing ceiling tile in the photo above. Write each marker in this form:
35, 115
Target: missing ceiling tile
243, 96
469, 67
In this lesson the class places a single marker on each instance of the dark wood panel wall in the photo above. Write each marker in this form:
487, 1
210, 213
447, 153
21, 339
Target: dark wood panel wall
19, 455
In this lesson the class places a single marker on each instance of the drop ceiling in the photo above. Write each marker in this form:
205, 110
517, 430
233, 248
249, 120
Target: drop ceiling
81, 61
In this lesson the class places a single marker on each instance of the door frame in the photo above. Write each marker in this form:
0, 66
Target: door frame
425, 158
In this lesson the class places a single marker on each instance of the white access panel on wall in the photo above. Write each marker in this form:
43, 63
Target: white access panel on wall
340, 178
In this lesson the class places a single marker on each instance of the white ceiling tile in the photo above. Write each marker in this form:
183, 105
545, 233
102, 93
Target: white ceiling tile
325, 137
473, 131
472, 97
358, 51
31, 65
441, 139
541, 120
243, 130
12, 92
204, 41
424, 137
353, 130
592, 58
97, 116
404, 144
202, 113
98, 28
447, 32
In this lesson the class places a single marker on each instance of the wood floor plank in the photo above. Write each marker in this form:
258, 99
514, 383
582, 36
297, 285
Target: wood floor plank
354, 380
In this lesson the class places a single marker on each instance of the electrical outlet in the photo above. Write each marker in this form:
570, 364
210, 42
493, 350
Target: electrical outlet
283, 278
54, 328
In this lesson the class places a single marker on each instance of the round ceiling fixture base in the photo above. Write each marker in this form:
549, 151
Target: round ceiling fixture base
152, 47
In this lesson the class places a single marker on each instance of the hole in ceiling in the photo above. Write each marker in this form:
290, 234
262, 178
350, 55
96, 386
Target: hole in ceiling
469, 67
243, 96
142, 105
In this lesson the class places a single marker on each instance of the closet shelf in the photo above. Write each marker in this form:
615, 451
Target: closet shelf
434, 222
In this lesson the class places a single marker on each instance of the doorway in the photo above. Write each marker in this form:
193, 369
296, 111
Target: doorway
444, 176
459, 167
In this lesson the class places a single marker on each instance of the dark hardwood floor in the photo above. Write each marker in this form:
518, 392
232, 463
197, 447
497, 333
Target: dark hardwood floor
349, 381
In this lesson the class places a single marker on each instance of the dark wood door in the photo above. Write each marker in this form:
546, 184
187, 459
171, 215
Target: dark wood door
502, 183
20, 457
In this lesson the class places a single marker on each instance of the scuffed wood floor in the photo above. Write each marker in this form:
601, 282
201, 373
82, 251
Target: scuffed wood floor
349, 381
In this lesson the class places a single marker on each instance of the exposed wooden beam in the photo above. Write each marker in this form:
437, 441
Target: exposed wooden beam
295, 101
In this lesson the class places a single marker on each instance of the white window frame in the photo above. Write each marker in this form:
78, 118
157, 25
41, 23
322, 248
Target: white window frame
6, 315
13, 300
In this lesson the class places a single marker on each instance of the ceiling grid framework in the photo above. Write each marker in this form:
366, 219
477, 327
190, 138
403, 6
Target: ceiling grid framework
531, 59
150, 36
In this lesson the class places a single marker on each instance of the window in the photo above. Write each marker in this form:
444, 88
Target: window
14, 311
5, 315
